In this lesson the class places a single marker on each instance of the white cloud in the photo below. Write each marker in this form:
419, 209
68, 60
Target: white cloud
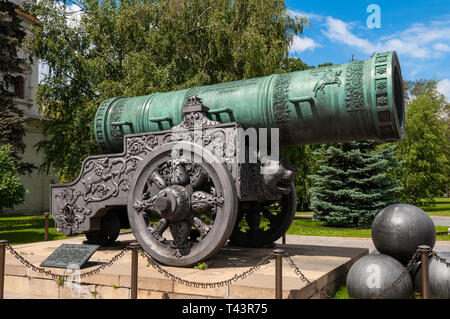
418, 41
441, 47
443, 86
303, 44
339, 31
309, 15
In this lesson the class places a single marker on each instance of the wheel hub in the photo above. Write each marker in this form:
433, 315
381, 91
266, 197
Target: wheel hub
173, 203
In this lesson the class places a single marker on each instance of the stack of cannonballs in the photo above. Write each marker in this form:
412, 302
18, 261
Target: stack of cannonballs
397, 231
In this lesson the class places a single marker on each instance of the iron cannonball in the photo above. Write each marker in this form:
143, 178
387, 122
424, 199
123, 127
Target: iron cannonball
438, 276
414, 269
371, 275
399, 229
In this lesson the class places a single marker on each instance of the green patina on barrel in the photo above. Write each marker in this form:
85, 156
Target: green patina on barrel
360, 100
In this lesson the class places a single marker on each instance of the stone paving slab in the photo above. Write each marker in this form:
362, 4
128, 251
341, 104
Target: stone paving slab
324, 263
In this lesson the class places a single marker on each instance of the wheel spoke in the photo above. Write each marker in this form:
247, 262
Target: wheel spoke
159, 229
196, 202
264, 224
254, 221
268, 214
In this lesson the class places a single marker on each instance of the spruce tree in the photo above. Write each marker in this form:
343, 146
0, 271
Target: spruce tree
12, 121
352, 182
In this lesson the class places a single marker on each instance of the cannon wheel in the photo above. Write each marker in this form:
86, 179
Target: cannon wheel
261, 224
149, 228
108, 233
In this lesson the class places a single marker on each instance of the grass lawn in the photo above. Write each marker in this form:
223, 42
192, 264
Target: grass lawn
341, 293
309, 227
30, 232
441, 207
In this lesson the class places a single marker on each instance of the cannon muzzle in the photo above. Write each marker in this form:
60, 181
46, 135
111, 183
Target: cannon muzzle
361, 100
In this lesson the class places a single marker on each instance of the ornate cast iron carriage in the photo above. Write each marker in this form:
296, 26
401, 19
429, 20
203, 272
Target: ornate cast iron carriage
172, 166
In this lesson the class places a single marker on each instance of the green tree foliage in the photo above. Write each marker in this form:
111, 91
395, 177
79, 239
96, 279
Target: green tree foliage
304, 159
425, 151
130, 48
12, 122
352, 182
12, 191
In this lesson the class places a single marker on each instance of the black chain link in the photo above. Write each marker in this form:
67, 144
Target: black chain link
303, 278
65, 277
440, 259
194, 284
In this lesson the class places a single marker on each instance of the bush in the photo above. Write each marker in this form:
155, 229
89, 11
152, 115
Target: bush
12, 192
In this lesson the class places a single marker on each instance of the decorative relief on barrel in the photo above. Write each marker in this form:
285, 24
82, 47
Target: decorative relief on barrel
354, 94
381, 84
382, 100
116, 112
382, 58
381, 96
329, 77
99, 123
281, 97
380, 69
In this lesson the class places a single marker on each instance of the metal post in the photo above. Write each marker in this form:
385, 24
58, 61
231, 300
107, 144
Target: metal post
278, 273
134, 269
283, 239
425, 250
46, 226
2, 266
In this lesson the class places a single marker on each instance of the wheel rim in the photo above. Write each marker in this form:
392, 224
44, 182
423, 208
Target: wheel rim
260, 224
148, 226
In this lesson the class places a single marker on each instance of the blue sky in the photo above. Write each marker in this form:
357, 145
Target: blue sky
418, 30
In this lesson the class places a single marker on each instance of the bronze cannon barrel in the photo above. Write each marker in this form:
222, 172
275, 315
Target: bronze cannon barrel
359, 100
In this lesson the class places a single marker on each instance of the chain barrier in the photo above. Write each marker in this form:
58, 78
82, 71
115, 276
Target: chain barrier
18, 222
439, 258
405, 272
194, 284
222, 283
303, 278
65, 277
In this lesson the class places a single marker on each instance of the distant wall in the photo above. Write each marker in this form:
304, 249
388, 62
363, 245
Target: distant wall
37, 199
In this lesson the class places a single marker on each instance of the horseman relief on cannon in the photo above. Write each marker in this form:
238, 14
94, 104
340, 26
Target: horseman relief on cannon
189, 170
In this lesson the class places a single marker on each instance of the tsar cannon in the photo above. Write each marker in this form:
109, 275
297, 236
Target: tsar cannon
181, 168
